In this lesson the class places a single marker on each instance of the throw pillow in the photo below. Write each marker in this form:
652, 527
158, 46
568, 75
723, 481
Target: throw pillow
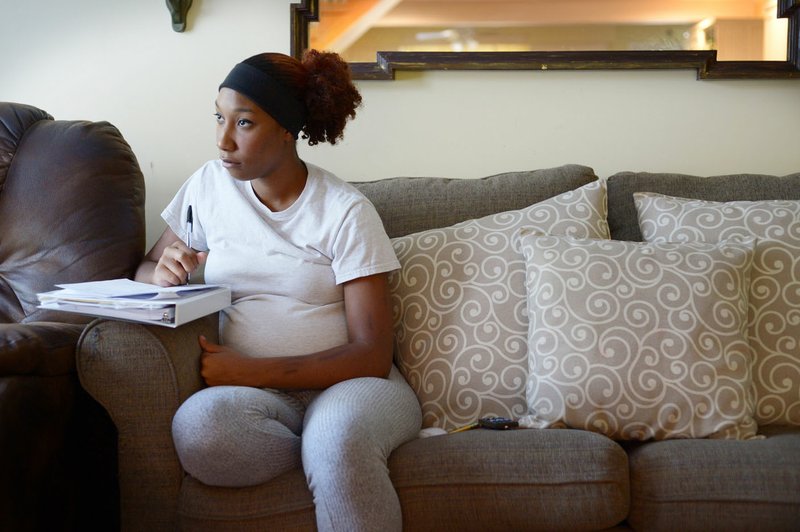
774, 319
458, 305
638, 341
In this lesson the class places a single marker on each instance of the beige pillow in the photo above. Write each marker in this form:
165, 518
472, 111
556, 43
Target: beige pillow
774, 317
638, 341
458, 304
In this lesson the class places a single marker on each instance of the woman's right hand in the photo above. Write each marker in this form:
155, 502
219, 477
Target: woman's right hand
177, 261
169, 262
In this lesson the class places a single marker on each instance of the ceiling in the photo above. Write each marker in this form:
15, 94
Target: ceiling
346, 19
554, 12
533, 12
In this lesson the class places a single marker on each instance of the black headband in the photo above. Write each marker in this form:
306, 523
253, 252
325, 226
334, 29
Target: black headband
269, 94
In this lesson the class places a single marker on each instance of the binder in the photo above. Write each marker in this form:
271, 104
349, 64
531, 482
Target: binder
128, 300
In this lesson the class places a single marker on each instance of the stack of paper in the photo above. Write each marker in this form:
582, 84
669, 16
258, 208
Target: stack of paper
129, 300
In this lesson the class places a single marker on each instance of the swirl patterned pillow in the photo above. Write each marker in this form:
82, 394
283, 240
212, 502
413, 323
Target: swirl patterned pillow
774, 319
638, 341
458, 304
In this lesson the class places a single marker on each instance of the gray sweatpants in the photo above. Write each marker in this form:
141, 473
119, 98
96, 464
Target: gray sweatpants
240, 436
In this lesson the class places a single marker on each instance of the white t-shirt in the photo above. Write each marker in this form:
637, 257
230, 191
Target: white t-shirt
285, 269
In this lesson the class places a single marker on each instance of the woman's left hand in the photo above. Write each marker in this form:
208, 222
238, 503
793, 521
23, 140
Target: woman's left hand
368, 352
220, 365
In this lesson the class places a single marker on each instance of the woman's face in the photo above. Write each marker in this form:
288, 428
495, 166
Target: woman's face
251, 143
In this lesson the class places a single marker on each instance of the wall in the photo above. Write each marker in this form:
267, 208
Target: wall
121, 62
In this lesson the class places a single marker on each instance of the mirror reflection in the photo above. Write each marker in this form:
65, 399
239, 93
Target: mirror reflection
740, 30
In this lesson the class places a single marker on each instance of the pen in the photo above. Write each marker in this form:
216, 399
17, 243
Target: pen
465, 428
190, 225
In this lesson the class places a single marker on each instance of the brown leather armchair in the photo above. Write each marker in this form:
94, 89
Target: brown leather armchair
71, 209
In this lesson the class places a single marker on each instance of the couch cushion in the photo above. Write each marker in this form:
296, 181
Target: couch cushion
511, 480
412, 204
639, 341
284, 503
774, 321
478, 480
701, 485
458, 303
622, 219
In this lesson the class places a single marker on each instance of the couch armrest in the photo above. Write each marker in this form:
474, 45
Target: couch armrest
141, 374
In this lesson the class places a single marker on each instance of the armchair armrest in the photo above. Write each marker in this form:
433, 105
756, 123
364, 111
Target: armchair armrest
141, 374
38, 348
37, 406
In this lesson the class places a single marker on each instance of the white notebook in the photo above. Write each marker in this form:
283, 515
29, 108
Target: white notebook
128, 300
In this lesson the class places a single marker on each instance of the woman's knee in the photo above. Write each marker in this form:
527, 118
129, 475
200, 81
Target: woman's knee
202, 419
229, 436
367, 414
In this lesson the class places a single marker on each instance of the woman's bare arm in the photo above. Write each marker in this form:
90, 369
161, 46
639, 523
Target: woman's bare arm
368, 352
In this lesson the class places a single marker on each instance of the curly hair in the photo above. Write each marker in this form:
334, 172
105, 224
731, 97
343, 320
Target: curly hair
322, 82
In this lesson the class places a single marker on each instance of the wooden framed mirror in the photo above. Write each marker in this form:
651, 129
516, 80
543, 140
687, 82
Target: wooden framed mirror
709, 63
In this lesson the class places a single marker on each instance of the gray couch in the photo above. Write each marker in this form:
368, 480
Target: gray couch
475, 480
